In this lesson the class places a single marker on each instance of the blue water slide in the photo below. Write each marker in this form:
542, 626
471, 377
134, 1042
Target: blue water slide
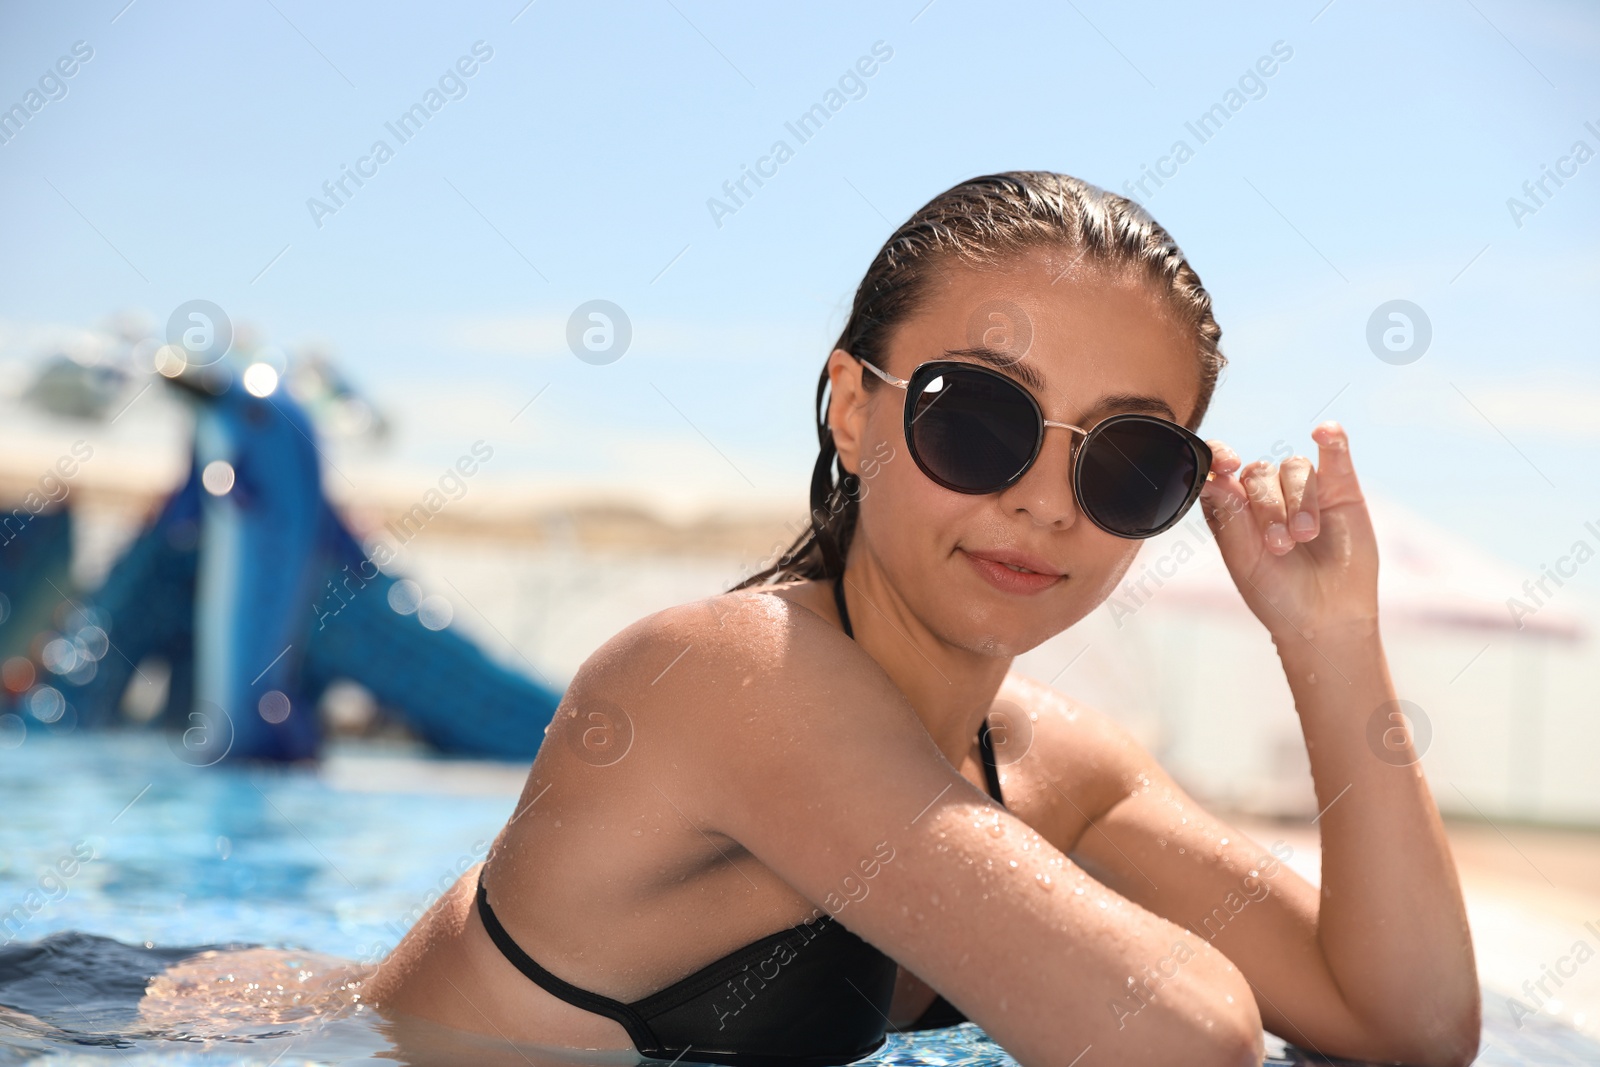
146, 606
35, 566
252, 589
259, 564
439, 683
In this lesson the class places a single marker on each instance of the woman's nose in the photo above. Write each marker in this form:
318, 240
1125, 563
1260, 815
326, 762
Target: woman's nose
1045, 490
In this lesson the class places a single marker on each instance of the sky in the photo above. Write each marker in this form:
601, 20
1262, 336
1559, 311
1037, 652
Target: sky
1384, 158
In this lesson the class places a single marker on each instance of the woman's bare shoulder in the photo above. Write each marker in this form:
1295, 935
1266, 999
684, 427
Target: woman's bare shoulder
722, 678
1074, 761
735, 637
1068, 728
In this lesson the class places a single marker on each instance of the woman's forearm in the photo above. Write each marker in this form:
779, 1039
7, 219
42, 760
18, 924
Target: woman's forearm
1392, 924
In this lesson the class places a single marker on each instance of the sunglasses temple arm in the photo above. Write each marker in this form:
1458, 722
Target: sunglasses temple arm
899, 383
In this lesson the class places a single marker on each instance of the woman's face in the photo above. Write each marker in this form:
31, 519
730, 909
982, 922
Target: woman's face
1102, 342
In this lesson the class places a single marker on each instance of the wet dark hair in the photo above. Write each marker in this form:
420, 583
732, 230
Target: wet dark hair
981, 222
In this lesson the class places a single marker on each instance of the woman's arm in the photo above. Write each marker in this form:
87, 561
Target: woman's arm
1103, 797
1391, 926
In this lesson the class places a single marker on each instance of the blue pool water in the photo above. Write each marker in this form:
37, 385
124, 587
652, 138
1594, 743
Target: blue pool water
337, 861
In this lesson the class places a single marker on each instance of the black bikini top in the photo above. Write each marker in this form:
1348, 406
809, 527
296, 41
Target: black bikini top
812, 995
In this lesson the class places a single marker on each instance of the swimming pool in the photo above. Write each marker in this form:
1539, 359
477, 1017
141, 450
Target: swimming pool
115, 836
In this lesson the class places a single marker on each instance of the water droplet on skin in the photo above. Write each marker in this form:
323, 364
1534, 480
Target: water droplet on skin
1078, 892
1161, 841
1224, 841
1312, 678
1042, 880
996, 830
638, 833
1180, 851
1012, 864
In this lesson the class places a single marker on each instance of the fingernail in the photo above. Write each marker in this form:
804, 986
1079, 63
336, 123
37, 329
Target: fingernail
1278, 536
1303, 522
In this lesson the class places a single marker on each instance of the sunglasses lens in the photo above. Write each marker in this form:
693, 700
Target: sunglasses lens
972, 432
1136, 477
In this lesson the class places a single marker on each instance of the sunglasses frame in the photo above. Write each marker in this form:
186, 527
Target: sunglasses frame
932, 368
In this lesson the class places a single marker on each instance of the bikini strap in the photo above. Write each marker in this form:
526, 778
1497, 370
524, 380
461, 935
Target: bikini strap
844, 612
991, 770
644, 1039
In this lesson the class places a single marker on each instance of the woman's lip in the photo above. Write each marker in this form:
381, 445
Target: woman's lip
1007, 580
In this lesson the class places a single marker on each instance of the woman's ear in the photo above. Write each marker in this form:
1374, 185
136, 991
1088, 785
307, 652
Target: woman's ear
847, 407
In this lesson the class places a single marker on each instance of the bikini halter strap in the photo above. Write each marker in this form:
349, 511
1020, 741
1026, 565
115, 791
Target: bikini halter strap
844, 612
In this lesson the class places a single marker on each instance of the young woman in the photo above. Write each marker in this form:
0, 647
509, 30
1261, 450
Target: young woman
769, 826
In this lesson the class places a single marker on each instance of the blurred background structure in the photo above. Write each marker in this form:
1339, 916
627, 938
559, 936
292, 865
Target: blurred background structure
559, 244
244, 592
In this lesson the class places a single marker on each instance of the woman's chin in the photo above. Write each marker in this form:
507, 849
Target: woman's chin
992, 623
1006, 635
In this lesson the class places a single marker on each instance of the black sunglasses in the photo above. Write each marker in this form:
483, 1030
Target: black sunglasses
975, 430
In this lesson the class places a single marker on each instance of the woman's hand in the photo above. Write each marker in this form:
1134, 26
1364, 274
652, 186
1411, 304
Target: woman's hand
1297, 540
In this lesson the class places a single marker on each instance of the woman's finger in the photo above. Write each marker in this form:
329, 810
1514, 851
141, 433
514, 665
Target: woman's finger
1260, 480
1299, 483
1224, 460
1226, 507
1336, 474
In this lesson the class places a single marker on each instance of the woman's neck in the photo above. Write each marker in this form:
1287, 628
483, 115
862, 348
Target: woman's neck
951, 688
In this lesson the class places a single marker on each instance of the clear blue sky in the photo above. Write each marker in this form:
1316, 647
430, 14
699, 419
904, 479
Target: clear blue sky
1374, 164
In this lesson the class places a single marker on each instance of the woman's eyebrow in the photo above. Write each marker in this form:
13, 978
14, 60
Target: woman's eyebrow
1024, 372
1131, 402
1136, 403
